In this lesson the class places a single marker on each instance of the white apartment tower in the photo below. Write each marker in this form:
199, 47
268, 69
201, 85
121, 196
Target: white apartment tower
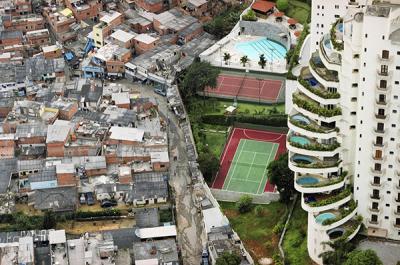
344, 126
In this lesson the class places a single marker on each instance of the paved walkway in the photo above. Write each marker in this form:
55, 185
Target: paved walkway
388, 252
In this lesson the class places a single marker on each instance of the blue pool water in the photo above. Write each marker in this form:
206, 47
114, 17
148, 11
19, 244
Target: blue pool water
253, 49
300, 140
308, 180
303, 159
313, 81
324, 216
301, 118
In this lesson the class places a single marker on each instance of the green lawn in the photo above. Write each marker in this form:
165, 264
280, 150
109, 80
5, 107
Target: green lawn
215, 141
254, 230
295, 242
298, 10
218, 106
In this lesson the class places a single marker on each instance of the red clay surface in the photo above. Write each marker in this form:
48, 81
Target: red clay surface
233, 142
246, 87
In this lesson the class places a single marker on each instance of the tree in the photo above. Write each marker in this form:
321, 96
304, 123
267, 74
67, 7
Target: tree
338, 253
281, 176
49, 220
227, 57
244, 60
250, 15
244, 204
363, 257
208, 162
282, 5
227, 258
262, 62
198, 76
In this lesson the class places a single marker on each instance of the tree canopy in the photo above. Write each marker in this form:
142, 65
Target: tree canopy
338, 253
363, 257
228, 259
282, 5
281, 176
198, 76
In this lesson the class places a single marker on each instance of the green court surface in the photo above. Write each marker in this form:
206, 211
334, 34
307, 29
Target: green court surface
248, 170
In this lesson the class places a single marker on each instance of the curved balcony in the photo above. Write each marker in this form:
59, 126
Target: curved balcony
310, 86
383, 89
307, 146
329, 56
312, 165
334, 218
385, 75
303, 125
323, 202
381, 117
312, 109
347, 231
309, 183
336, 34
326, 77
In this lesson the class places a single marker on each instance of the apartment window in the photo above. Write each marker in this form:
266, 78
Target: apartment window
395, 97
356, 71
388, 192
353, 113
382, 98
356, 56
377, 180
375, 194
384, 69
375, 205
352, 127
365, 49
396, 82
393, 125
354, 85
394, 111
366, 35
377, 167
337, 16
392, 139
383, 37
397, 221
374, 218
381, 112
386, 217
336, 6
398, 52
354, 99
380, 127
383, 83
385, 54
397, 67
391, 153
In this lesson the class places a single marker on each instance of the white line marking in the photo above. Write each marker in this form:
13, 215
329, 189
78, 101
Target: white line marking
249, 170
266, 166
234, 168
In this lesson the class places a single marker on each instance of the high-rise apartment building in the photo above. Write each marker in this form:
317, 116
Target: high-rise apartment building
344, 124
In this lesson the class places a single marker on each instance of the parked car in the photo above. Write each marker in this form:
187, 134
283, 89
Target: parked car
82, 199
90, 198
160, 92
204, 257
108, 203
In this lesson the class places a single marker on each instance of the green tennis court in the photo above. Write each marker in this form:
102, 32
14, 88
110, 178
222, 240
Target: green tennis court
248, 169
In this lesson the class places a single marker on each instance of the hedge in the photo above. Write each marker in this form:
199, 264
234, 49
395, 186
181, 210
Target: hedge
108, 212
319, 92
313, 107
279, 120
330, 200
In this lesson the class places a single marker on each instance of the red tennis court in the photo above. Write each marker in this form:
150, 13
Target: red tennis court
230, 149
246, 88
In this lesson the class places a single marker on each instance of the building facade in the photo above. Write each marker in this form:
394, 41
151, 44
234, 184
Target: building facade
343, 125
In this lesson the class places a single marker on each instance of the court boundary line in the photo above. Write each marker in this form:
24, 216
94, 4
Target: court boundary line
268, 161
234, 168
251, 166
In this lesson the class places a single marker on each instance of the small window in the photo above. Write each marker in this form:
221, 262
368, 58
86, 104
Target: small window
366, 35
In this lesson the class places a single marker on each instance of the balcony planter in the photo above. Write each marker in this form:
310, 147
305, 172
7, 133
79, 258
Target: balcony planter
345, 193
316, 146
343, 214
321, 93
339, 46
315, 108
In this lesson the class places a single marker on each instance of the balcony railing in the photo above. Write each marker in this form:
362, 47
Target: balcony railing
375, 197
381, 102
384, 59
330, 199
317, 65
380, 116
312, 127
321, 92
314, 145
343, 212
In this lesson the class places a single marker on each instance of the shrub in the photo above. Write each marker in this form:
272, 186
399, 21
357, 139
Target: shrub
319, 92
313, 107
282, 5
276, 120
250, 16
335, 198
244, 204
259, 210
294, 58
278, 228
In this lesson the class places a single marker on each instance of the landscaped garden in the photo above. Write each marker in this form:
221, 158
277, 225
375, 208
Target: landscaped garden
256, 227
295, 242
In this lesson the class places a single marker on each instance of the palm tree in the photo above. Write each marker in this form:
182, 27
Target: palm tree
244, 60
262, 62
227, 57
338, 253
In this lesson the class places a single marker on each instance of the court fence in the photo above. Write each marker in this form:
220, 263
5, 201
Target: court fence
234, 196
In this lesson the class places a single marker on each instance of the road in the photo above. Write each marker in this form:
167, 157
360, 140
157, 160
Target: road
189, 221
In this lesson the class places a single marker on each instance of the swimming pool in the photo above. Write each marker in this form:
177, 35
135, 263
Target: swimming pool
336, 232
307, 180
253, 49
301, 119
303, 159
300, 140
324, 216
